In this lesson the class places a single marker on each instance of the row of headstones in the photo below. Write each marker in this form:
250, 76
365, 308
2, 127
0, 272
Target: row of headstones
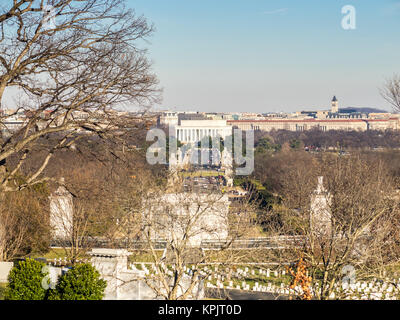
245, 270
188, 270
63, 262
360, 290
369, 290
261, 272
270, 287
155, 271
376, 289
375, 285
365, 296
369, 286
240, 273
361, 287
214, 273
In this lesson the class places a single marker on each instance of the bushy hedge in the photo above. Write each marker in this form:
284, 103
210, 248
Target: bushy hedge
80, 283
25, 281
29, 280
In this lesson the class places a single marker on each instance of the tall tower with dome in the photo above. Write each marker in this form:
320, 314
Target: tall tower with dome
335, 105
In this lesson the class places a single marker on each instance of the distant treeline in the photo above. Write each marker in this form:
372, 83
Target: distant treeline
276, 139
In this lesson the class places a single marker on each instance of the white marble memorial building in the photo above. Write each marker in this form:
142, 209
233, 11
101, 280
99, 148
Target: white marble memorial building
192, 131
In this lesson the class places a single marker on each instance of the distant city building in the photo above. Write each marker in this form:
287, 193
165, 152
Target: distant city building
192, 131
11, 120
193, 116
323, 125
335, 105
324, 120
168, 119
192, 127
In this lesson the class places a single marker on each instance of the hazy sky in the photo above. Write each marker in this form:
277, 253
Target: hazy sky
271, 55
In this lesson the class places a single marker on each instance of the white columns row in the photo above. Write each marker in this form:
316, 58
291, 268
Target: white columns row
195, 135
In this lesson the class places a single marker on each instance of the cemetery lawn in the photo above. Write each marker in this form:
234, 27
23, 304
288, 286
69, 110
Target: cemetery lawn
53, 253
143, 256
2, 289
246, 256
136, 256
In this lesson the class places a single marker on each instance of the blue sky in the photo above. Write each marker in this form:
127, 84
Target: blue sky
271, 55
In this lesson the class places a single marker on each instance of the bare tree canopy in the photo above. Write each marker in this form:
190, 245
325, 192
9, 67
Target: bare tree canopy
391, 92
70, 62
348, 218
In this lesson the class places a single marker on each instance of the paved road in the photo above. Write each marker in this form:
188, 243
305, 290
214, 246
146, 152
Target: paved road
242, 295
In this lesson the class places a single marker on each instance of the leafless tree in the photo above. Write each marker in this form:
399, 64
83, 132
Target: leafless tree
182, 218
362, 205
24, 223
391, 92
69, 222
71, 62
88, 206
10, 242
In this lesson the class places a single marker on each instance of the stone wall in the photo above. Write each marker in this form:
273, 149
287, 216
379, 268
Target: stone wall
125, 284
5, 268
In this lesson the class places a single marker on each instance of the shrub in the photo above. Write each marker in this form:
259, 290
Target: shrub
82, 282
25, 281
